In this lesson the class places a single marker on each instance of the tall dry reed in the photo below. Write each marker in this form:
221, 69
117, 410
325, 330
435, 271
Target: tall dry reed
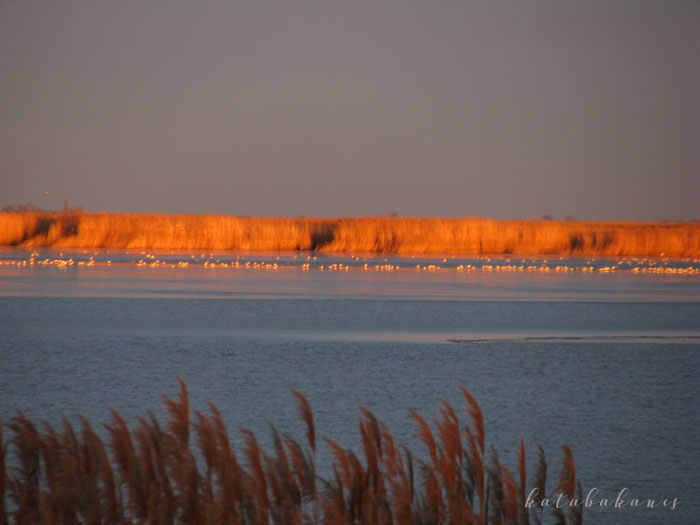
75, 229
187, 472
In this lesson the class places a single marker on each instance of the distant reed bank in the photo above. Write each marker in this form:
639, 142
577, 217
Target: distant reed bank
402, 235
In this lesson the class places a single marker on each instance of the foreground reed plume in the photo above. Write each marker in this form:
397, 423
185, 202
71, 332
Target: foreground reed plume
187, 472
75, 229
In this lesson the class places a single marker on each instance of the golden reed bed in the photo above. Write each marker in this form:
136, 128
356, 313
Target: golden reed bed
187, 471
371, 234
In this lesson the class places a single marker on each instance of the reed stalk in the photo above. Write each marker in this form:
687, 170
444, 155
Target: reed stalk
153, 473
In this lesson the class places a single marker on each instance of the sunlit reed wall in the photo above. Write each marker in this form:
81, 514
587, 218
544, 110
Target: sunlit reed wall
371, 234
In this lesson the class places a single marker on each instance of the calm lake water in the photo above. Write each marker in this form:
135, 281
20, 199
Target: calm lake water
605, 362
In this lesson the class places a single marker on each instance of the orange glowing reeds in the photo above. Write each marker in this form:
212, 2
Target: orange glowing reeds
155, 473
378, 234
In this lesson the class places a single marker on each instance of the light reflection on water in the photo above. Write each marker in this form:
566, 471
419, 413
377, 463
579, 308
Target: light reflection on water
607, 363
290, 280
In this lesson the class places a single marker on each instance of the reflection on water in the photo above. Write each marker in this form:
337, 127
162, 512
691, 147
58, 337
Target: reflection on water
604, 361
293, 276
344, 262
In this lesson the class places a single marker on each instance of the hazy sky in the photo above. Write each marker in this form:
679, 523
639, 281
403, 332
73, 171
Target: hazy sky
504, 109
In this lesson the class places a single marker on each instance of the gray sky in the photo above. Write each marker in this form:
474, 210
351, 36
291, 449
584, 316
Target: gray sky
503, 109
